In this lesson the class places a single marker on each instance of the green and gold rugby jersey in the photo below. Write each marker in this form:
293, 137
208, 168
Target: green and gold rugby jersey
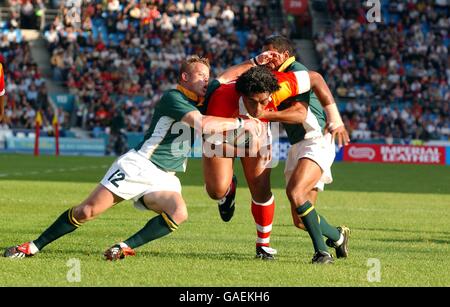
316, 118
167, 142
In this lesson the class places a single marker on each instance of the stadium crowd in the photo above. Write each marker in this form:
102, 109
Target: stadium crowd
395, 73
126, 53
119, 56
26, 89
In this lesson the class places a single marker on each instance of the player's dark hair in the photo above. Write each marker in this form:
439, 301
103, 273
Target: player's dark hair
186, 64
259, 79
280, 43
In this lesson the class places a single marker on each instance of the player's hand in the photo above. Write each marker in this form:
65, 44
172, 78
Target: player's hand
264, 113
253, 125
340, 133
266, 57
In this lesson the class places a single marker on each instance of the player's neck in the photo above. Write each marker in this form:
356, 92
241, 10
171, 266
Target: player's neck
188, 93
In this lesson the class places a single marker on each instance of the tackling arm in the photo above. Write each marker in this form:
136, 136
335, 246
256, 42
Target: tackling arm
212, 124
313, 80
295, 114
235, 71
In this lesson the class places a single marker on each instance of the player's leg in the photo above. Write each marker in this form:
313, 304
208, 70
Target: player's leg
312, 197
302, 180
262, 205
221, 184
163, 195
98, 201
171, 210
217, 173
337, 237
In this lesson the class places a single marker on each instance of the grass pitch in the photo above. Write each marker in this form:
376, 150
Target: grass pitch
399, 215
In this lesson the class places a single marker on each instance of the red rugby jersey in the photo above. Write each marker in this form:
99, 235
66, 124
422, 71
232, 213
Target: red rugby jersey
224, 101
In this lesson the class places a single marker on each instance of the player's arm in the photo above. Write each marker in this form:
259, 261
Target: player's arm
211, 124
235, 71
334, 120
311, 80
295, 114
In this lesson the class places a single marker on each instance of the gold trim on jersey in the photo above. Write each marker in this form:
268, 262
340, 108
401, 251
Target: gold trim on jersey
286, 64
191, 95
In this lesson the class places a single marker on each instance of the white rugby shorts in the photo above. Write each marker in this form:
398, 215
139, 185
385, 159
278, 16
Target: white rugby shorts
131, 176
320, 149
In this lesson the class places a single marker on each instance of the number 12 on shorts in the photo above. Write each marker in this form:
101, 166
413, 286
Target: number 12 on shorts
116, 176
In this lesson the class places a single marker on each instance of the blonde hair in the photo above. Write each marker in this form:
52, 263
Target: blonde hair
186, 64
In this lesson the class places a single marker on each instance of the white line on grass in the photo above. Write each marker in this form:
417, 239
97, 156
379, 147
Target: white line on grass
50, 171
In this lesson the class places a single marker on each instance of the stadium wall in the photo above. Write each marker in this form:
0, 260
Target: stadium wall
67, 146
357, 152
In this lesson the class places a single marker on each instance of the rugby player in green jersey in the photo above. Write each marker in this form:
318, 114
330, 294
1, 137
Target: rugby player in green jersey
308, 166
149, 169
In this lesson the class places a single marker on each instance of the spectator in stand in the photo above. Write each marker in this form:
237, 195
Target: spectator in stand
135, 48
401, 63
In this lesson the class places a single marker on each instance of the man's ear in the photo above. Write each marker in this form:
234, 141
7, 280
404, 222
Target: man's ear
286, 55
184, 76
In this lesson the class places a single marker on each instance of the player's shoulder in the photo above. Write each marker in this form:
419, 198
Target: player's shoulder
283, 76
228, 86
297, 66
173, 95
214, 83
223, 89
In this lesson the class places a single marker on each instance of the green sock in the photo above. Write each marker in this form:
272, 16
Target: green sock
329, 231
310, 219
65, 224
157, 227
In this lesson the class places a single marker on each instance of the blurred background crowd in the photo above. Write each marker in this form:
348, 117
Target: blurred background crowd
116, 57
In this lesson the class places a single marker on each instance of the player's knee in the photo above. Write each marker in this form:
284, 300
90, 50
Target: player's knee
81, 213
84, 212
296, 197
178, 214
175, 219
181, 215
217, 192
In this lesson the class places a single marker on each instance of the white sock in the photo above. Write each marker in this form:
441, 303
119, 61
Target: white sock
340, 241
33, 248
123, 245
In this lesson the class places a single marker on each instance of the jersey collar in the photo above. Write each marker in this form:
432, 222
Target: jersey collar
286, 64
190, 94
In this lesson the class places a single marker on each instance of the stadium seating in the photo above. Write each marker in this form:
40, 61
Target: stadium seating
138, 64
397, 65
121, 59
